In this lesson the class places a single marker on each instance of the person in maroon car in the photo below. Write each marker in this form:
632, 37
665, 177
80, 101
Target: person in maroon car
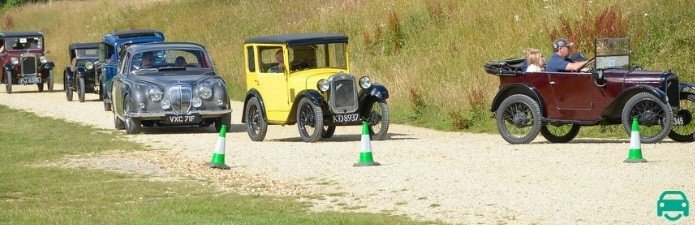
558, 62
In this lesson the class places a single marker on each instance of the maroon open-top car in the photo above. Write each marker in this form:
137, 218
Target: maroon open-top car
23, 60
557, 104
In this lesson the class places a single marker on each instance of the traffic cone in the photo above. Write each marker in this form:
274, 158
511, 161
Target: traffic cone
366, 158
635, 154
218, 155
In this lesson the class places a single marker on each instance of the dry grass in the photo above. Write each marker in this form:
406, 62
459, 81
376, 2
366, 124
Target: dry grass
434, 47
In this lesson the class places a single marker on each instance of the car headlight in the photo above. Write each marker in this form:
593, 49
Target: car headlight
43, 59
14, 60
197, 102
365, 82
322, 85
205, 91
166, 104
155, 95
89, 65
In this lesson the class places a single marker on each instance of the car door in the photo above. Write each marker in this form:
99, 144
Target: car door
272, 86
119, 83
572, 93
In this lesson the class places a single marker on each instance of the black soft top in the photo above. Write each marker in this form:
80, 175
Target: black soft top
300, 39
20, 34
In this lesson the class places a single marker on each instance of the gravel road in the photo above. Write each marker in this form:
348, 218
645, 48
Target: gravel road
425, 174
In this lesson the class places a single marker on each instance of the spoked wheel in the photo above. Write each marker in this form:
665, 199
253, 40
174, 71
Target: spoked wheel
49, 83
8, 82
256, 126
683, 129
559, 133
328, 131
40, 86
309, 120
132, 125
80, 89
654, 117
68, 90
518, 119
378, 120
101, 91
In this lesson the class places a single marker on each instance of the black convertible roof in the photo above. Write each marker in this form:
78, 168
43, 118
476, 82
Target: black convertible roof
20, 34
84, 45
300, 39
137, 33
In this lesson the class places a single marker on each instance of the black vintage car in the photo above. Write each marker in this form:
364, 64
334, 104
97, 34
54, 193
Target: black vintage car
21, 54
81, 76
168, 84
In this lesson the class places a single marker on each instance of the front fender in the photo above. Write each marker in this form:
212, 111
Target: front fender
614, 110
367, 97
314, 96
686, 87
253, 93
48, 66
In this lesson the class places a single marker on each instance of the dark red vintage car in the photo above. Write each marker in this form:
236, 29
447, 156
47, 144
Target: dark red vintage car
611, 92
21, 54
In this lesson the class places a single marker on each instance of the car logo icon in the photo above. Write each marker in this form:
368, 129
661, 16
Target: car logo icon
672, 205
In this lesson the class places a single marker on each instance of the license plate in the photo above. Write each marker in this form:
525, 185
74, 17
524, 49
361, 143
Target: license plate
346, 118
187, 119
29, 80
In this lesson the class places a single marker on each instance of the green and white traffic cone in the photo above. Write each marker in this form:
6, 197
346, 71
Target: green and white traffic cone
218, 155
635, 154
366, 158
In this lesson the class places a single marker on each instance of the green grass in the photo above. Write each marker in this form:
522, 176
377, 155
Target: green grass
34, 194
436, 48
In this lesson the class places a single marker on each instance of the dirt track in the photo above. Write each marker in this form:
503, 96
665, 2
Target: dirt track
426, 174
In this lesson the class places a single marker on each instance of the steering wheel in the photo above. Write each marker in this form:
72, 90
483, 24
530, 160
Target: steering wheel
590, 61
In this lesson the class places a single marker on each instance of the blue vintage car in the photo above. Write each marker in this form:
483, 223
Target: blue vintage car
109, 53
168, 84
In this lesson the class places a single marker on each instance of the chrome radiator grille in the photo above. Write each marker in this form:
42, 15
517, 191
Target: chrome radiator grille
28, 65
180, 96
343, 96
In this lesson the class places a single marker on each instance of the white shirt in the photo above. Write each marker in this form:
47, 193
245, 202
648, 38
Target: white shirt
533, 68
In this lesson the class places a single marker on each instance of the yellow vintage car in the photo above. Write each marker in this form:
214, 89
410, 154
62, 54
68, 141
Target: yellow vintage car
305, 79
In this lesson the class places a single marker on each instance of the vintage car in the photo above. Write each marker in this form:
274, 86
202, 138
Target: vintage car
305, 79
109, 54
168, 84
81, 75
24, 62
611, 91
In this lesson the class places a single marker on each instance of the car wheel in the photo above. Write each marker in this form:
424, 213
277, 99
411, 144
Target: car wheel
80, 89
101, 91
378, 120
40, 86
8, 82
256, 126
683, 129
117, 122
68, 91
559, 133
518, 119
107, 106
309, 120
132, 125
50, 80
328, 131
654, 117
225, 119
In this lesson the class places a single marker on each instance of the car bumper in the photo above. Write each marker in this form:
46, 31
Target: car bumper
159, 115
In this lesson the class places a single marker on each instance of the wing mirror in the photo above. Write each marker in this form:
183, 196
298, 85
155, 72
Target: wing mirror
598, 77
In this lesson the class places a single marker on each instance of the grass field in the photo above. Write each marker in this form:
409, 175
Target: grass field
34, 194
428, 53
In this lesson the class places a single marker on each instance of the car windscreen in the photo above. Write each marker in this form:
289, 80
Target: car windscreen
612, 53
87, 52
170, 59
332, 55
23, 43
